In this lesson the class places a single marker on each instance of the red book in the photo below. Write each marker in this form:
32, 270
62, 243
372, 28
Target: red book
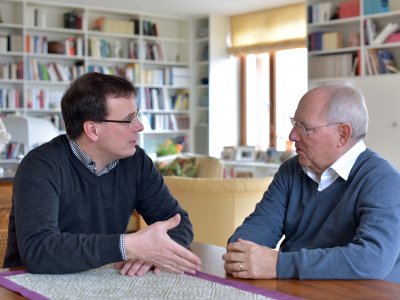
349, 8
393, 38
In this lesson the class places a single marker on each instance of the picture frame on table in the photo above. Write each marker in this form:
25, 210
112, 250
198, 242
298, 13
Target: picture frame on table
228, 153
246, 153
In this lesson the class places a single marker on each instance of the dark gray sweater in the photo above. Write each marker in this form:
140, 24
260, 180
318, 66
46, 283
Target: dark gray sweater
66, 219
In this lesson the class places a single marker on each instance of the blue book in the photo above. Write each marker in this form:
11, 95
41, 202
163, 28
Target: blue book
375, 6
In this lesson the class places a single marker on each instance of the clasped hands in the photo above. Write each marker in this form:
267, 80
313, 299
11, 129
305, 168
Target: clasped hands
153, 248
245, 259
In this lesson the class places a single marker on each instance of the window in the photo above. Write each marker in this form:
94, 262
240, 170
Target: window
290, 86
274, 84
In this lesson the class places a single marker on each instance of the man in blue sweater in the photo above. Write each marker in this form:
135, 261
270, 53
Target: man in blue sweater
337, 203
74, 195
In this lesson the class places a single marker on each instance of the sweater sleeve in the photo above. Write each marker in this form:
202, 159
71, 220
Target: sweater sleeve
156, 203
41, 246
373, 251
265, 225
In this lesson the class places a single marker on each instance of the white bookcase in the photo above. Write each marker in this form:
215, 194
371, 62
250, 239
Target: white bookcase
201, 84
341, 47
151, 50
380, 89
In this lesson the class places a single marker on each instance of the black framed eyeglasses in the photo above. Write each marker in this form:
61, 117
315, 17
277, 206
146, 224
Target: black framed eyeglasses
130, 121
307, 131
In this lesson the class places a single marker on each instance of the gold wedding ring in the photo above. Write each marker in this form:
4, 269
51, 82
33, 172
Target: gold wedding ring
240, 266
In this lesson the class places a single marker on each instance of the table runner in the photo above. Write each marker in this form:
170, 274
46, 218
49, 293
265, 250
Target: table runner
107, 283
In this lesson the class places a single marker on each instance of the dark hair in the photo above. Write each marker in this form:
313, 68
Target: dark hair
86, 99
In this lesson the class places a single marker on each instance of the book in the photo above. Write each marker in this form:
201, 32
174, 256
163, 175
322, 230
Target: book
385, 33
370, 31
332, 40
375, 6
387, 62
393, 38
349, 8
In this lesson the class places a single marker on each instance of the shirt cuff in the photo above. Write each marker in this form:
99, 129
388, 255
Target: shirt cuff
122, 247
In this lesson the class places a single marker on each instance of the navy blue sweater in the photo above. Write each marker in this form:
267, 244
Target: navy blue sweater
66, 219
350, 230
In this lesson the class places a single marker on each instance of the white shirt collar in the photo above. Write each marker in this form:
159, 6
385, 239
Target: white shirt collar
341, 167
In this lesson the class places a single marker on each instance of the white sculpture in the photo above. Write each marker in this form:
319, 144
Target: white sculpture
5, 137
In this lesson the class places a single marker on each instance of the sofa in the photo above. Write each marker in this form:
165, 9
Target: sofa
216, 206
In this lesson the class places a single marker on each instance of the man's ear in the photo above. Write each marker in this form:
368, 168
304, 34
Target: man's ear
345, 132
91, 130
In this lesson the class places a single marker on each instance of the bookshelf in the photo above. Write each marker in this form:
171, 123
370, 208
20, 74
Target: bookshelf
344, 38
379, 86
44, 45
201, 84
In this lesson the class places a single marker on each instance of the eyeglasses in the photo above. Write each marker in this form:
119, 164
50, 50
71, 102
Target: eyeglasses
308, 131
130, 121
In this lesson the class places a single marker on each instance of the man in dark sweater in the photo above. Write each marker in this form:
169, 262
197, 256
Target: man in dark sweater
74, 195
336, 202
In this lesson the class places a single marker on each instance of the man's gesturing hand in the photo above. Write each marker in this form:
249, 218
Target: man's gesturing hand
153, 245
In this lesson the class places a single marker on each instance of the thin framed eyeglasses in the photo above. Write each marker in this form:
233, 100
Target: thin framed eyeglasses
130, 121
307, 131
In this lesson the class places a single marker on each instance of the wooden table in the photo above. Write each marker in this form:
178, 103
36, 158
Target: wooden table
308, 289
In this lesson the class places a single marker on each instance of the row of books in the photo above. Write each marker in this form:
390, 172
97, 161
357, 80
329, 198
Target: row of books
70, 46
100, 48
153, 50
36, 16
374, 36
379, 62
174, 76
116, 26
325, 41
10, 42
10, 98
73, 19
326, 11
12, 70
159, 99
129, 71
320, 12
13, 150
338, 65
43, 98
150, 28
163, 122
52, 71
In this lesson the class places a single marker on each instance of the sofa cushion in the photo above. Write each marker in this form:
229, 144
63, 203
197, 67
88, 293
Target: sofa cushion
217, 206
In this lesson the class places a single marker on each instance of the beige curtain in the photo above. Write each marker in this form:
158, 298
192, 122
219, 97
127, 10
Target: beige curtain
269, 30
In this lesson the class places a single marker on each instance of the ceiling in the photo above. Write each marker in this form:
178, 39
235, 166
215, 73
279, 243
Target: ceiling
188, 7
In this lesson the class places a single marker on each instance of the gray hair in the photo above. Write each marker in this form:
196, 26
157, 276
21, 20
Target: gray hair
347, 105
